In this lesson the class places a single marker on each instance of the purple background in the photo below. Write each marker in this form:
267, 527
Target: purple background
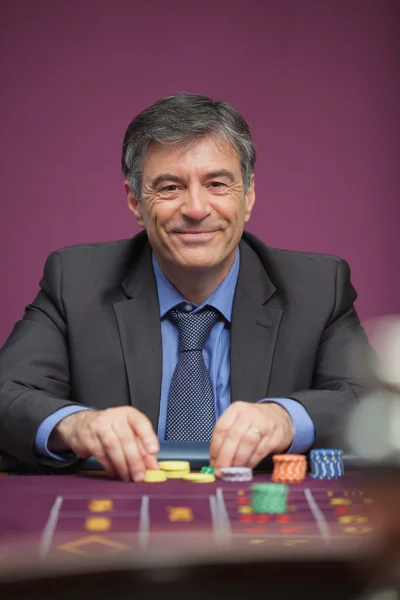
317, 81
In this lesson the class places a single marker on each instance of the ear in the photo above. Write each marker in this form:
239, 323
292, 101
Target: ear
134, 204
250, 199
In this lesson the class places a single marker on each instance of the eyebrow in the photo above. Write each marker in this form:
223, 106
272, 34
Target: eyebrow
165, 177
162, 178
221, 173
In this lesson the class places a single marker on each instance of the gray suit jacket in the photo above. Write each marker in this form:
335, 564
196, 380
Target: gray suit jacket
92, 336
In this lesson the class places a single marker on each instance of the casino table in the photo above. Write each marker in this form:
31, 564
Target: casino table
103, 538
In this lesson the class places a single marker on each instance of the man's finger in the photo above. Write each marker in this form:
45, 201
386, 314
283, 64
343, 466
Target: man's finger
144, 431
248, 445
130, 449
150, 461
95, 449
222, 426
113, 450
265, 447
230, 445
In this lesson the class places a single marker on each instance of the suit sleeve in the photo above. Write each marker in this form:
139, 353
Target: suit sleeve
338, 383
34, 368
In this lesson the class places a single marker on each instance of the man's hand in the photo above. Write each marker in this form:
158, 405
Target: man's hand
122, 439
248, 432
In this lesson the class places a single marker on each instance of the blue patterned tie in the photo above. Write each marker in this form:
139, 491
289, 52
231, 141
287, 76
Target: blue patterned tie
191, 411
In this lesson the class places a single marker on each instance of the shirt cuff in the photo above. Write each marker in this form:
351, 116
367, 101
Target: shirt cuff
304, 431
46, 427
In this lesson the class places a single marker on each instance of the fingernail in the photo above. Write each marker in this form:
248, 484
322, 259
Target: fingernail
152, 448
139, 477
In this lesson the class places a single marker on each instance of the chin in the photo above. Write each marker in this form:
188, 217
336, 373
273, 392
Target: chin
199, 265
199, 260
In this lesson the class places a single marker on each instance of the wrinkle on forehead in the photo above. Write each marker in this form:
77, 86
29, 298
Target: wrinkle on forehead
222, 145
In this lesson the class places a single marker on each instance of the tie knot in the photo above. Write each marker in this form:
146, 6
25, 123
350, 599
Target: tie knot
194, 328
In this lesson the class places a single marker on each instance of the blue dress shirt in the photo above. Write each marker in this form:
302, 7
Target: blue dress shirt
216, 357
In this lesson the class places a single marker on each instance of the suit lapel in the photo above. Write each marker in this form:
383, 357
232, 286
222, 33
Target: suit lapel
254, 329
139, 327
254, 332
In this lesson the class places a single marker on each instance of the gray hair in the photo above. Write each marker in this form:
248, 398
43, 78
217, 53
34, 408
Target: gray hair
183, 119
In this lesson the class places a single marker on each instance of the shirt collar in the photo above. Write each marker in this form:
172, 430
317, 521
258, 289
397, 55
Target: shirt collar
221, 298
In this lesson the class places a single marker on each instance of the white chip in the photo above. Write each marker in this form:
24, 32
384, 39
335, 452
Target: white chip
236, 471
236, 474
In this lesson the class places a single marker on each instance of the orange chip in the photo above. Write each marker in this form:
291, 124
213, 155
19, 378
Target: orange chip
288, 458
289, 468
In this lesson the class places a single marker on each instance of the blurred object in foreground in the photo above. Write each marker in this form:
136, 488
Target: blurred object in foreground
385, 338
374, 428
373, 434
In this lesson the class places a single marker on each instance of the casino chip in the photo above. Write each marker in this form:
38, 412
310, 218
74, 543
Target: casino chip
326, 463
199, 477
208, 469
269, 498
236, 473
175, 469
176, 474
175, 465
152, 476
289, 468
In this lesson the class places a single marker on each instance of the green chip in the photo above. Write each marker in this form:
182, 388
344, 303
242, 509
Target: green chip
270, 488
269, 498
208, 469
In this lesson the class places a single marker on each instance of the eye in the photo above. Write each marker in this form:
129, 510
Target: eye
169, 188
216, 184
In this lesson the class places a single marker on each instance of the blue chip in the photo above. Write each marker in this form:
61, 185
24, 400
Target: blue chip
326, 452
326, 463
326, 471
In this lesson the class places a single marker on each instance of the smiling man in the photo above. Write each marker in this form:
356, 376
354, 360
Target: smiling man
192, 330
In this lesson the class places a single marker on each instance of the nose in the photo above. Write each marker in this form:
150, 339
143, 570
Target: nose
195, 205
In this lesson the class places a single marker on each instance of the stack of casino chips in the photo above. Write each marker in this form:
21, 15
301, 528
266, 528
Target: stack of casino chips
175, 469
289, 468
270, 498
171, 469
178, 469
236, 473
326, 463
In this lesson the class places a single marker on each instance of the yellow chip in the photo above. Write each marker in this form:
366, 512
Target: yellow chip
199, 477
176, 474
151, 476
175, 465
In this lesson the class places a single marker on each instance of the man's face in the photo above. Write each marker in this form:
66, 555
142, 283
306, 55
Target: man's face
193, 204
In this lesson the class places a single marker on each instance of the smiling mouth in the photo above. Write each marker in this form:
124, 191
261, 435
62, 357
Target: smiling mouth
196, 232
196, 235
